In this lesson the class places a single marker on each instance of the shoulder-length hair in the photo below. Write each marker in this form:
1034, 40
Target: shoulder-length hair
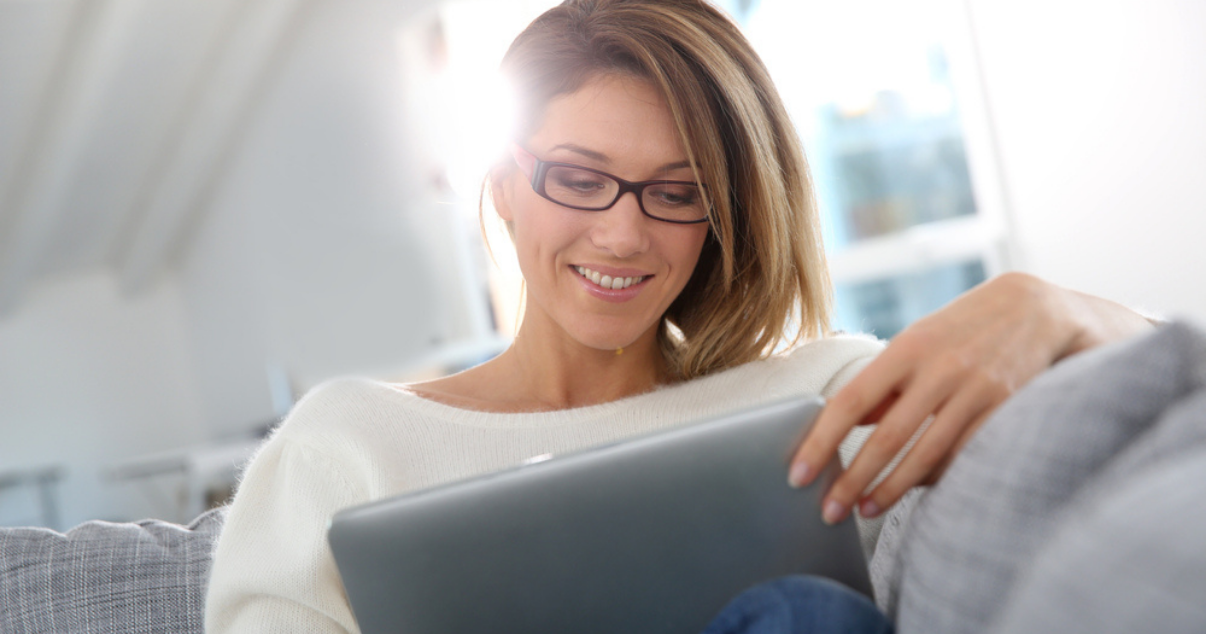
761, 280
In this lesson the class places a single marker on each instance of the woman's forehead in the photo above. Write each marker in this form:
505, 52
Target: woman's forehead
610, 118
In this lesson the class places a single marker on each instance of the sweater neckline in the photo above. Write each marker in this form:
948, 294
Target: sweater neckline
700, 389
486, 418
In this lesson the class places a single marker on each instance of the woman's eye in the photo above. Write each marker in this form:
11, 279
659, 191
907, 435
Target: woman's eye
675, 196
580, 183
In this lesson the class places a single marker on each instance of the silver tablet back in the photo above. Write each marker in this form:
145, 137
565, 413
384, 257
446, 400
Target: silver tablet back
652, 534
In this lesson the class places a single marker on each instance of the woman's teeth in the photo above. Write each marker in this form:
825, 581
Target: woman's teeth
607, 281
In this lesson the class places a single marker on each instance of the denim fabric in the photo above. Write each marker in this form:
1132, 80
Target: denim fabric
800, 605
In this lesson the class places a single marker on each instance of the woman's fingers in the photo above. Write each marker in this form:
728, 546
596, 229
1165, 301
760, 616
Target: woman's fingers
958, 364
866, 395
921, 397
933, 451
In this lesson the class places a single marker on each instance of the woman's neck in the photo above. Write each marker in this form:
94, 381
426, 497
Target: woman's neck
547, 369
556, 374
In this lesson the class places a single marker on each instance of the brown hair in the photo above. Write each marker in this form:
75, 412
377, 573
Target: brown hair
762, 269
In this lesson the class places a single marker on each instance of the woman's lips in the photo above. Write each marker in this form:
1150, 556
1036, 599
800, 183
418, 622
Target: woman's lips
593, 281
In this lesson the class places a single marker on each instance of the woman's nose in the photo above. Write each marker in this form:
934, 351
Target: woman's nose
622, 229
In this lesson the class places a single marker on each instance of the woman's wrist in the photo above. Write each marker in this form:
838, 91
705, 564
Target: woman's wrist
1093, 321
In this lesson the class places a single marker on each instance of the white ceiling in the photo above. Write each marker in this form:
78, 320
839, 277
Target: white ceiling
115, 120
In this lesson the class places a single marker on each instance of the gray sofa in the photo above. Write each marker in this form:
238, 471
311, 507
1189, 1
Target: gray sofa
102, 578
1077, 508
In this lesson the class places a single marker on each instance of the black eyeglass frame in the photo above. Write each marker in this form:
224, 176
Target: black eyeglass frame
541, 169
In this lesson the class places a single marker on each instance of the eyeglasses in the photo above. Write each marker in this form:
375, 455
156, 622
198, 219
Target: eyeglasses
587, 189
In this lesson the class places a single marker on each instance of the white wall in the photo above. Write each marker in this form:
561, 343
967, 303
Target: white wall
323, 251
1100, 117
89, 379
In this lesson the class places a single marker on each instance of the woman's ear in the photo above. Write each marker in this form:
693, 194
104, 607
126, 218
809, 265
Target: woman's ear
501, 192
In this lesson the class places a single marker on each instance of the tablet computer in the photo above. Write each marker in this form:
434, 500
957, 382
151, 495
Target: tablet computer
651, 534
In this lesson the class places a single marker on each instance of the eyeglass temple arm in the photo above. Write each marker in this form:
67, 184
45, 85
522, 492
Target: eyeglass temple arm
524, 159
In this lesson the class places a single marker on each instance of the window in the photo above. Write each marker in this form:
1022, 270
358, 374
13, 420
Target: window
883, 93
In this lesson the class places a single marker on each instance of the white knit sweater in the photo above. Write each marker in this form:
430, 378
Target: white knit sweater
351, 441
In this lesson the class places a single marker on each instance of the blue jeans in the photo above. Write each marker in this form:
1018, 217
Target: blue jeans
800, 605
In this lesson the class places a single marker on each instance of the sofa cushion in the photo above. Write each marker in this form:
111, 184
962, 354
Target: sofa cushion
1133, 561
1053, 453
102, 577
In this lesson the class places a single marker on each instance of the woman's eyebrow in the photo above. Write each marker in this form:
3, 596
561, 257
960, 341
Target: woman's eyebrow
603, 158
588, 153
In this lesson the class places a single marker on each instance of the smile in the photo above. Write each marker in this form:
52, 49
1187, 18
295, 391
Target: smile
608, 282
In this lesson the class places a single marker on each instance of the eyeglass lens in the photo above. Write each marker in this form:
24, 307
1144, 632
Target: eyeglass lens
677, 202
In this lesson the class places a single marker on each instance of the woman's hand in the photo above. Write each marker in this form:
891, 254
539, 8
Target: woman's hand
956, 365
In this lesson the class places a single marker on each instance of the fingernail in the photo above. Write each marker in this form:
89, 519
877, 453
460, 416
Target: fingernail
833, 513
798, 475
869, 509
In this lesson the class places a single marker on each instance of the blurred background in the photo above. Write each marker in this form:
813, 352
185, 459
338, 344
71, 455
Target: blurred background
207, 207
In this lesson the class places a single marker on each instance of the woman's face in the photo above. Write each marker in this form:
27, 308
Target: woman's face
622, 126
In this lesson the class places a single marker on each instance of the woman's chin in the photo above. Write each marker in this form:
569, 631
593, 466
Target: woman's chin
609, 342
609, 332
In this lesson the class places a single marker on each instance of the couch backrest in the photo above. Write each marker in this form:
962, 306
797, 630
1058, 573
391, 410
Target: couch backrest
102, 577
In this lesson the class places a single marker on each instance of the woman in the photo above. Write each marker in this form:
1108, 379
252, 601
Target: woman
663, 218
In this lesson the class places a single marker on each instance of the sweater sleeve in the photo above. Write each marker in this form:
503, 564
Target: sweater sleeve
273, 570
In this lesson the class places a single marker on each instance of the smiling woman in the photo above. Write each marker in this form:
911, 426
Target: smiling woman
621, 124
711, 263
763, 261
